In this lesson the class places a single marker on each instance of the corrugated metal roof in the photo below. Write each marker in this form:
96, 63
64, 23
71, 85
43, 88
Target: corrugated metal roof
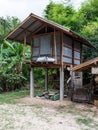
34, 22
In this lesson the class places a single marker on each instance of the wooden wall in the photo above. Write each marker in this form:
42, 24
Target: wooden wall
43, 45
71, 51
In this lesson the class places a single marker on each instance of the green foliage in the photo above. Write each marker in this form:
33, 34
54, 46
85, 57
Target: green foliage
8, 24
90, 10
60, 13
90, 32
13, 73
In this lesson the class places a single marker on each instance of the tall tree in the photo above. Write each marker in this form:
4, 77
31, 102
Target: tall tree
60, 13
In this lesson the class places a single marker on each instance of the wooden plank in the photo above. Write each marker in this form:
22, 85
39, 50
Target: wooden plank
43, 34
55, 52
62, 48
73, 52
65, 45
85, 65
39, 46
51, 46
77, 50
49, 65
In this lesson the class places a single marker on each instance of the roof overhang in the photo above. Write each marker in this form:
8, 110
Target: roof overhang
33, 23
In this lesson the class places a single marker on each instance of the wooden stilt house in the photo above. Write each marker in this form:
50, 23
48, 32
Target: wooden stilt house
52, 46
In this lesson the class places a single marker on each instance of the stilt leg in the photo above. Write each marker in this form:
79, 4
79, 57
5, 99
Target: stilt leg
61, 84
32, 83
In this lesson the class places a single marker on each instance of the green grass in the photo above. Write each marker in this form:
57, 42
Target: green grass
11, 97
85, 121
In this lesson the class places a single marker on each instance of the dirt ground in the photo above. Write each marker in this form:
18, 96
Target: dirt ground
40, 114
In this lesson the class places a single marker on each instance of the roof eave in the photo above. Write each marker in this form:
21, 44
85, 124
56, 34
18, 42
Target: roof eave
66, 30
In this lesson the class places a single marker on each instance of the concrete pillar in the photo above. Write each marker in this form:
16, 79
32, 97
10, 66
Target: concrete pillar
61, 84
46, 79
32, 82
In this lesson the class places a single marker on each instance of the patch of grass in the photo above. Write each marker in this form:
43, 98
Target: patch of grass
61, 107
11, 97
88, 110
71, 111
85, 121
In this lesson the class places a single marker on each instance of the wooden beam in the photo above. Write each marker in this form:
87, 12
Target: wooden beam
38, 29
73, 52
85, 65
72, 78
17, 27
32, 82
24, 29
62, 48
55, 48
80, 53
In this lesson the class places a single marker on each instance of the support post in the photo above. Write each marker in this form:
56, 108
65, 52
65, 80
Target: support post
72, 83
32, 82
62, 45
55, 47
73, 52
46, 79
61, 84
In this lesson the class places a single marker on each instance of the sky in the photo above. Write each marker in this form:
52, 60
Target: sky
22, 8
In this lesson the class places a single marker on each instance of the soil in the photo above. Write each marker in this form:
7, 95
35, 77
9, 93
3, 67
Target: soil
41, 114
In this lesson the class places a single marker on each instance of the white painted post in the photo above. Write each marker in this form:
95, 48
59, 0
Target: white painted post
46, 79
61, 84
32, 83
